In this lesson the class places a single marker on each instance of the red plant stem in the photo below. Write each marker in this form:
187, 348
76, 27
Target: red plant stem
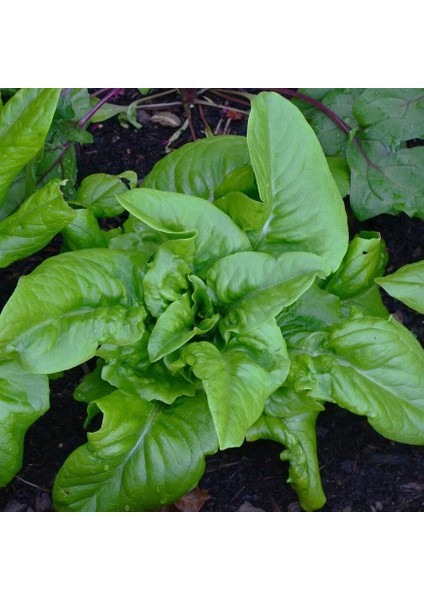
95, 108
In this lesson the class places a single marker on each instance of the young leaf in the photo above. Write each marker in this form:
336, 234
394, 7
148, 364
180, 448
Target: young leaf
365, 260
175, 327
306, 212
23, 399
58, 315
407, 285
370, 366
238, 380
166, 277
252, 287
34, 224
182, 217
199, 167
145, 455
24, 124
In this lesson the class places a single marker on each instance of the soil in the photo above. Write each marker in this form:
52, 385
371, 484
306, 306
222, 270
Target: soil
361, 470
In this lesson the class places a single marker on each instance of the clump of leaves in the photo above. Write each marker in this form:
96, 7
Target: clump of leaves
230, 306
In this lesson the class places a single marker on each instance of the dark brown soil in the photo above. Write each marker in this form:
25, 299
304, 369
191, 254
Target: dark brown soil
361, 471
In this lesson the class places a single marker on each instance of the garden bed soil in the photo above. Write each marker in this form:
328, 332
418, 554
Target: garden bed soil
360, 470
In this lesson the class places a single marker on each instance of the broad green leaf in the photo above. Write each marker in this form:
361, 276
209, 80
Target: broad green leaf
365, 260
298, 435
34, 224
58, 315
146, 455
97, 192
385, 182
182, 216
370, 366
199, 167
23, 399
24, 124
306, 211
84, 231
315, 309
175, 327
252, 287
407, 285
391, 115
238, 380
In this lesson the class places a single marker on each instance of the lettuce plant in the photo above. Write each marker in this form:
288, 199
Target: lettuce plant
230, 306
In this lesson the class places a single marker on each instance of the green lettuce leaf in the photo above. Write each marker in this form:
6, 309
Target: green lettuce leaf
199, 167
58, 315
365, 260
370, 366
298, 435
129, 369
166, 277
238, 380
176, 326
251, 287
34, 224
24, 397
145, 455
24, 123
181, 216
304, 207
407, 285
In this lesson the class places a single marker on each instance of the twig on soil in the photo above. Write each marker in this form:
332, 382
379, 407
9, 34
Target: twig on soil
38, 487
